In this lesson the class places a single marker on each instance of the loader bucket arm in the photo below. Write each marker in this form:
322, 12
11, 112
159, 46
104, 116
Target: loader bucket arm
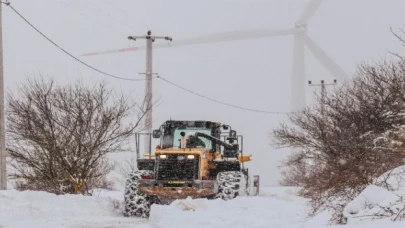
216, 140
230, 150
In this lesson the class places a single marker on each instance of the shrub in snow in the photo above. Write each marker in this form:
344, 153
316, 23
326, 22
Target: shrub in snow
348, 138
58, 136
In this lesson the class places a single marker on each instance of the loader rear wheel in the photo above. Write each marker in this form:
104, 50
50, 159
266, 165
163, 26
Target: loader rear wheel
136, 204
231, 184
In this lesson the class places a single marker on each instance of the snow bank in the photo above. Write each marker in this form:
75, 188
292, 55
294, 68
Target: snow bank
275, 207
23, 206
240, 212
370, 201
385, 201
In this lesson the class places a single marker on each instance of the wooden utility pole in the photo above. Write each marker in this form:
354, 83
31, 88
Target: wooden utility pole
323, 92
148, 87
3, 170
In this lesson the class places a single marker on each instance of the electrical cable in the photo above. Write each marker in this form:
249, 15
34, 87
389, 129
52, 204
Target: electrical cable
66, 4
220, 102
66, 52
126, 14
128, 79
109, 15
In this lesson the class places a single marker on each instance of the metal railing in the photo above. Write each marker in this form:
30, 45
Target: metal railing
137, 144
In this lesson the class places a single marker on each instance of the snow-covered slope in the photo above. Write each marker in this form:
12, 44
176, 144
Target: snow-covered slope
382, 203
275, 207
39, 209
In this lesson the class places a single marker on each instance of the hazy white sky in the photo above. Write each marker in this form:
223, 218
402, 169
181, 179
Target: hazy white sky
254, 73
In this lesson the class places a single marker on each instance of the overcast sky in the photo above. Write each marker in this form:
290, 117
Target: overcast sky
254, 74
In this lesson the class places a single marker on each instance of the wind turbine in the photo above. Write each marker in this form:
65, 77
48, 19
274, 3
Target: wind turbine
301, 40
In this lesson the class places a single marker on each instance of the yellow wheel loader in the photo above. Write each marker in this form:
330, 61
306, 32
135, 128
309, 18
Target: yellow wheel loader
198, 159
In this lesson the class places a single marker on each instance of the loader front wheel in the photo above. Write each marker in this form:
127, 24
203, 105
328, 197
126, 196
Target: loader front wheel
136, 204
231, 184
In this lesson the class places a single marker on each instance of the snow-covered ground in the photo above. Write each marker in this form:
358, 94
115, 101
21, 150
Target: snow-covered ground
275, 207
40, 209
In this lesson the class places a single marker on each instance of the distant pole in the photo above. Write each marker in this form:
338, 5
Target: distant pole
148, 84
323, 92
3, 169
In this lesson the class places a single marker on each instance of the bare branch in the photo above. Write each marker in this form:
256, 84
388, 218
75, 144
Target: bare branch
59, 135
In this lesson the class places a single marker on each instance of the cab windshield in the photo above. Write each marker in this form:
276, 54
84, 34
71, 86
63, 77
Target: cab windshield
199, 142
173, 137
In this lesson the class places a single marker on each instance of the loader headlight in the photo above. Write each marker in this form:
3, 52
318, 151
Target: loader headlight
190, 157
163, 156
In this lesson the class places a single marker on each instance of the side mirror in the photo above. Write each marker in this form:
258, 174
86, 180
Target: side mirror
232, 134
156, 134
225, 127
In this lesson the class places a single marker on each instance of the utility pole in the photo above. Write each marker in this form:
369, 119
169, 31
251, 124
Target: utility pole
3, 170
323, 92
148, 83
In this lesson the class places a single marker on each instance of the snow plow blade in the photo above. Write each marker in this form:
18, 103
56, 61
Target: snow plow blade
168, 191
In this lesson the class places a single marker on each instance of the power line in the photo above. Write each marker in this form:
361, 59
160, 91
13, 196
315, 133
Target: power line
66, 52
126, 14
220, 102
109, 15
128, 79
89, 17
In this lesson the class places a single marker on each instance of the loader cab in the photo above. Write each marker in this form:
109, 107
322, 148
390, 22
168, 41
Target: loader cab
174, 162
170, 134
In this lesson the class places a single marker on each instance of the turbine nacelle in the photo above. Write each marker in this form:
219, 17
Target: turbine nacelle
301, 28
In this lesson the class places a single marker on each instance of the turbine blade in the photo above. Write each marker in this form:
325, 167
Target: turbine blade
211, 38
298, 73
325, 60
113, 51
309, 11
233, 36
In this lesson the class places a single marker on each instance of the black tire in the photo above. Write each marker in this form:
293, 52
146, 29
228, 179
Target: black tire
136, 204
231, 184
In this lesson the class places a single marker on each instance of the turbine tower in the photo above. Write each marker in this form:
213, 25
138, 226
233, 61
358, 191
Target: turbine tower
301, 40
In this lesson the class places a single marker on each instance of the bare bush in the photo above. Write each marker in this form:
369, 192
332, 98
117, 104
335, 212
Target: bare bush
356, 139
58, 136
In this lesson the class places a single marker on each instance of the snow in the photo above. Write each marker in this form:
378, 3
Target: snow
40, 209
275, 207
262, 211
368, 202
393, 180
380, 204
